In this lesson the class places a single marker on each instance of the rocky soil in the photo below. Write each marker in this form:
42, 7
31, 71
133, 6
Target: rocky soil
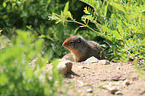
102, 78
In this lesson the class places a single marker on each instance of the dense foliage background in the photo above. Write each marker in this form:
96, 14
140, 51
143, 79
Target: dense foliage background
31, 29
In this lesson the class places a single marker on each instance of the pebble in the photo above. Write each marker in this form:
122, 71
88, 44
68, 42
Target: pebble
80, 83
65, 67
126, 82
81, 67
122, 79
125, 72
113, 90
98, 73
91, 60
115, 77
90, 90
92, 74
118, 68
118, 93
104, 62
69, 66
135, 78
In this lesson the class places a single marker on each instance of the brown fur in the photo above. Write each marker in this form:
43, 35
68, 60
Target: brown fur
82, 49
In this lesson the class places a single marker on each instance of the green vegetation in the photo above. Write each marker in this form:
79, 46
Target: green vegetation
33, 30
21, 68
120, 23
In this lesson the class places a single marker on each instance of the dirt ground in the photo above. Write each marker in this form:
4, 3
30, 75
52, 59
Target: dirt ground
95, 79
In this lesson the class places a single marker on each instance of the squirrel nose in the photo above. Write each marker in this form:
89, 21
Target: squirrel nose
62, 44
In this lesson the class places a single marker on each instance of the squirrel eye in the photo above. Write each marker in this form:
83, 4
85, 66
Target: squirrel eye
71, 42
79, 40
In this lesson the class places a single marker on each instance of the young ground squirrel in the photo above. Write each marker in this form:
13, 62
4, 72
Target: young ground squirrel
82, 49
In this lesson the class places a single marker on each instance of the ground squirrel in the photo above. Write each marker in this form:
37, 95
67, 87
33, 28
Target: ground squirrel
82, 49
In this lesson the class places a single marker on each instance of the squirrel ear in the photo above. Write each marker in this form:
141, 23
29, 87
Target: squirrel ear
79, 40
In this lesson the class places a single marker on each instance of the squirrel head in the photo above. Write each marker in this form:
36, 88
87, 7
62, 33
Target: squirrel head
74, 43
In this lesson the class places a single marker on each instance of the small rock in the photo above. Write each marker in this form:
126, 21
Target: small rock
111, 86
81, 67
125, 72
135, 78
118, 68
91, 60
115, 78
98, 73
80, 83
122, 79
69, 66
90, 90
104, 62
68, 57
113, 90
92, 74
64, 67
126, 82
118, 93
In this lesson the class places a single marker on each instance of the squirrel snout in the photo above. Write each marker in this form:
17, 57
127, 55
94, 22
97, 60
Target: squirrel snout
64, 44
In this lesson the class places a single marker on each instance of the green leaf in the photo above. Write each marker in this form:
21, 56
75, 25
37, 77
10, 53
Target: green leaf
69, 15
106, 8
118, 7
64, 14
4, 4
66, 9
3, 80
86, 10
55, 17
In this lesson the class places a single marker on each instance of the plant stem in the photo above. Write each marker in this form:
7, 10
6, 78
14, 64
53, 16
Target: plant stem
83, 25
